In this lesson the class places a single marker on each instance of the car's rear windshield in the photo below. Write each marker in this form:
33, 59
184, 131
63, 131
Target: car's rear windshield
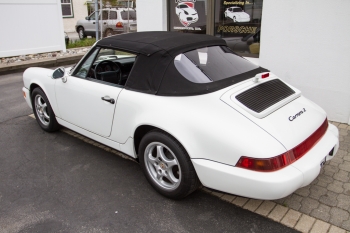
132, 15
211, 64
237, 10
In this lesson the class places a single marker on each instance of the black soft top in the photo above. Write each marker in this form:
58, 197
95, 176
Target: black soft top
154, 71
148, 43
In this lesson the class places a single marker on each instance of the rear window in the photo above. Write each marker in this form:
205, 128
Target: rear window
211, 64
132, 15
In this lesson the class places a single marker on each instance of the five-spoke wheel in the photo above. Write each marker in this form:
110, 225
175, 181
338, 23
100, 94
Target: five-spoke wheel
43, 111
167, 165
162, 165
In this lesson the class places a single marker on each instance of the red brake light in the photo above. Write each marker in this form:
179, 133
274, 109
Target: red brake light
283, 160
265, 75
119, 25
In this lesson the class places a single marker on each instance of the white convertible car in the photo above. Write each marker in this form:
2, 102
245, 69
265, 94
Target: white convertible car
190, 111
237, 14
186, 14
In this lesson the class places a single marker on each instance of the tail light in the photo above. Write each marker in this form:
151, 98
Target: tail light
285, 159
119, 25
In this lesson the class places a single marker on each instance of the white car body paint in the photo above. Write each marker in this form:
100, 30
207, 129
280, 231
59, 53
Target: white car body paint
241, 17
190, 120
191, 12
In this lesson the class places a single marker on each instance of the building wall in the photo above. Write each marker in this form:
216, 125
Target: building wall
79, 12
306, 43
151, 15
30, 26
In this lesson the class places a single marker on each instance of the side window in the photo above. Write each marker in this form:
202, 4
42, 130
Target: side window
107, 65
104, 15
83, 70
92, 16
113, 15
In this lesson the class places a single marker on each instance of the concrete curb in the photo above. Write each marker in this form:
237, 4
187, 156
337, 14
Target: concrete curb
48, 62
269, 209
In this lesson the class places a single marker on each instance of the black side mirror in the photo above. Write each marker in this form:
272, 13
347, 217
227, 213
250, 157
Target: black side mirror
87, 18
58, 73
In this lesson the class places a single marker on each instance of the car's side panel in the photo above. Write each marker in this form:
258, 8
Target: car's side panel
80, 103
192, 121
93, 136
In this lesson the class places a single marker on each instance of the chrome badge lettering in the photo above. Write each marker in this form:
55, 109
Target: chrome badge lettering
292, 118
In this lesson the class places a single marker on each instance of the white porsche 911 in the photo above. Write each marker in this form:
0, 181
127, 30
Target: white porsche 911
190, 111
237, 14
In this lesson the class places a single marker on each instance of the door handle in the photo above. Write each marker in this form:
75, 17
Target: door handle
112, 101
93, 23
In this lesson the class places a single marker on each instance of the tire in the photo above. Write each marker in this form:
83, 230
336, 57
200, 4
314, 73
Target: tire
43, 111
234, 19
108, 32
81, 33
167, 165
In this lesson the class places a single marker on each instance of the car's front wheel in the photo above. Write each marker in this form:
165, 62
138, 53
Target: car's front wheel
81, 33
43, 111
167, 165
234, 19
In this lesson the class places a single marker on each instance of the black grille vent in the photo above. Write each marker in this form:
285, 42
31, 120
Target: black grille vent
265, 95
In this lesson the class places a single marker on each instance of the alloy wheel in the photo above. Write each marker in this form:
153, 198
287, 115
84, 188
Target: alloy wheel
162, 165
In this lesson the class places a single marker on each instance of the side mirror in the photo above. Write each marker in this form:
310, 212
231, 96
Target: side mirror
58, 73
87, 18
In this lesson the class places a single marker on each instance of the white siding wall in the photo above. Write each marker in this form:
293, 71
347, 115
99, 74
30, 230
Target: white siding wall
151, 15
79, 12
30, 26
307, 43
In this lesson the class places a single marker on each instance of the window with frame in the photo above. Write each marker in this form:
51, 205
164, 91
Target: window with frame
67, 8
107, 65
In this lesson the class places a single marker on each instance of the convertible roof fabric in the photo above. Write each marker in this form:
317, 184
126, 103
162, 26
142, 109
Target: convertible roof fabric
148, 43
154, 71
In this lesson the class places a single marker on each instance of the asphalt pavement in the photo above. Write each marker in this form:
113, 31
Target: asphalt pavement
53, 182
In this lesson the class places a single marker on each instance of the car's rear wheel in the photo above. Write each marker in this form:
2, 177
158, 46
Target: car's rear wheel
81, 33
167, 165
43, 111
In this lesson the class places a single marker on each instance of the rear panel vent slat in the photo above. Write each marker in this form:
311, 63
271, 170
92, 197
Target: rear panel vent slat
265, 95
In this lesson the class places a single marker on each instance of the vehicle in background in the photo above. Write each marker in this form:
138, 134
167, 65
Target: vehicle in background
114, 21
237, 14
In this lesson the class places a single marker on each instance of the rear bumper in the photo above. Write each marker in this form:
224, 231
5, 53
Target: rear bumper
268, 185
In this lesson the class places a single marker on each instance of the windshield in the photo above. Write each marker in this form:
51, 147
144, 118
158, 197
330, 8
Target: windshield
211, 64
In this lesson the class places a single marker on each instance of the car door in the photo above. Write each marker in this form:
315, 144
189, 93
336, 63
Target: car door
90, 25
85, 101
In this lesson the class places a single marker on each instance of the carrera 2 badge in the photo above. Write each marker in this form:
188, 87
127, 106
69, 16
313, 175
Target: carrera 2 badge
292, 118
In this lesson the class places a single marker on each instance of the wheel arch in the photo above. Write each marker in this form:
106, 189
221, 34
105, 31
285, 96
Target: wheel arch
80, 26
142, 130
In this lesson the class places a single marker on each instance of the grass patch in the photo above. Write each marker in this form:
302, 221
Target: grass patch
81, 43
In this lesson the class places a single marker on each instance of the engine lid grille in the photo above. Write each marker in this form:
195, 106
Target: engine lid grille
263, 96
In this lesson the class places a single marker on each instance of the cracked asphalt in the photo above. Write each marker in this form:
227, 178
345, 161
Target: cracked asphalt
54, 182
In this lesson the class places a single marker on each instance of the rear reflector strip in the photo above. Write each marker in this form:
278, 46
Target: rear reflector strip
285, 159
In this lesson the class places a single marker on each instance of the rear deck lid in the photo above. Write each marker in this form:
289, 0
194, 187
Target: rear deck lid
276, 107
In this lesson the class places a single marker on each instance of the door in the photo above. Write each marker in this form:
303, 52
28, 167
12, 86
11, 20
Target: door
85, 101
